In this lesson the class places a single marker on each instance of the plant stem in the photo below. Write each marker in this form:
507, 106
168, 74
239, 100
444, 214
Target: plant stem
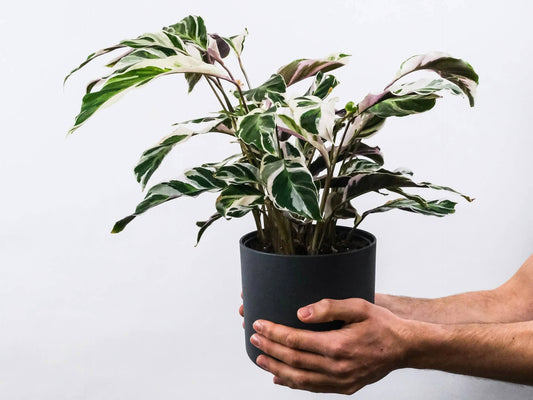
216, 94
244, 72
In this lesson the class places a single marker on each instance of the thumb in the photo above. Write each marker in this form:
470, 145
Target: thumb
327, 310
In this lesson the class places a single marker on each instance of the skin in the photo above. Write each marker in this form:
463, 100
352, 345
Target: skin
486, 334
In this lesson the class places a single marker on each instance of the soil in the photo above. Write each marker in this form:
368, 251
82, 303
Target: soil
343, 244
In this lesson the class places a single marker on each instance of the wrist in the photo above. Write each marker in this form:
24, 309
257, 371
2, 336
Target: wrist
422, 341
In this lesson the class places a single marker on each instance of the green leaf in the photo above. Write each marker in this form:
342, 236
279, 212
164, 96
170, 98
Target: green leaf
238, 200
273, 89
305, 68
259, 129
290, 186
191, 28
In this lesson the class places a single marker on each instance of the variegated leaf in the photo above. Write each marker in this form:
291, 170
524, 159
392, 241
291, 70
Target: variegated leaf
290, 186
258, 129
314, 115
238, 200
218, 46
151, 159
302, 134
237, 42
204, 178
437, 208
164, 41
403, 106
362, 183
412, 97
191, 28
358, 165
359, 149
274, 89
138, 75
203, 225
457, 71
238, 173
305, 68
322, 85
91, 57
159, 194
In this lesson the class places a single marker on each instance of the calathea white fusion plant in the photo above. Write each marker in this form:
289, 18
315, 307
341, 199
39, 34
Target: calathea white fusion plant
301, 161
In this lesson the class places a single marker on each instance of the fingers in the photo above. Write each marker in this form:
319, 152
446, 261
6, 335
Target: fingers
296, 378
241, 310
349, 310
290, 337
294, 358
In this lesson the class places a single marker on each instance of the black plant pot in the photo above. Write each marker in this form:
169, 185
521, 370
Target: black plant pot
276, 286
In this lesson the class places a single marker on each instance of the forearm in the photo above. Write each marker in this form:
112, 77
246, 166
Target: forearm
511, 302
496, 351
483, 306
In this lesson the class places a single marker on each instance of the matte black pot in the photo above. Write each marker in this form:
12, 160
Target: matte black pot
276, 286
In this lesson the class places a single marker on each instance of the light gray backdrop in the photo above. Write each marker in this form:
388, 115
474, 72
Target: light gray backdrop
145, 315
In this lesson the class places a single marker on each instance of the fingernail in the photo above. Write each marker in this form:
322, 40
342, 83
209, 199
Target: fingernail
305, 312
258, 326
254, 340
277, 380
260, 360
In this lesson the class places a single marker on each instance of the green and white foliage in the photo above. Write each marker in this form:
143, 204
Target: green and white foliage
302, 163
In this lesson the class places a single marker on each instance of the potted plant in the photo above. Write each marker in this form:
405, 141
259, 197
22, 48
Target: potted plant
301, 160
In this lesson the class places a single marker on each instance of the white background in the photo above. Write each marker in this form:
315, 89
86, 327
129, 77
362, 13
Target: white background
144, 315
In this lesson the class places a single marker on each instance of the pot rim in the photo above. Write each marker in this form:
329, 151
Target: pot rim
370, 238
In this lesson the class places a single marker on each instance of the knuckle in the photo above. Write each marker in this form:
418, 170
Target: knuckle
338, 349
291, 340
341, 368
325, 304
300, 380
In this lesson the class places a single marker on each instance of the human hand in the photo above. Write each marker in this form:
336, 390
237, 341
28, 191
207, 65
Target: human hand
371, 344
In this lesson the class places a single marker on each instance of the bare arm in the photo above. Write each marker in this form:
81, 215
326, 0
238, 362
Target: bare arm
496, 351
511, 302
374, 342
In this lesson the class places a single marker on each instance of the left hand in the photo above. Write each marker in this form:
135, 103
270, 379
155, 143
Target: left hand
372, 343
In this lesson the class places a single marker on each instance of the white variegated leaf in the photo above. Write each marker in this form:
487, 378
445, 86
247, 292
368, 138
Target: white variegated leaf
238, 173
237, 42
290, 186
258, 128
139, 74
305, 68
238, 200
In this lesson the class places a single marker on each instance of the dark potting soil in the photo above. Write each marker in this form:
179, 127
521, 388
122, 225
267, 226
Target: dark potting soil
343, 243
